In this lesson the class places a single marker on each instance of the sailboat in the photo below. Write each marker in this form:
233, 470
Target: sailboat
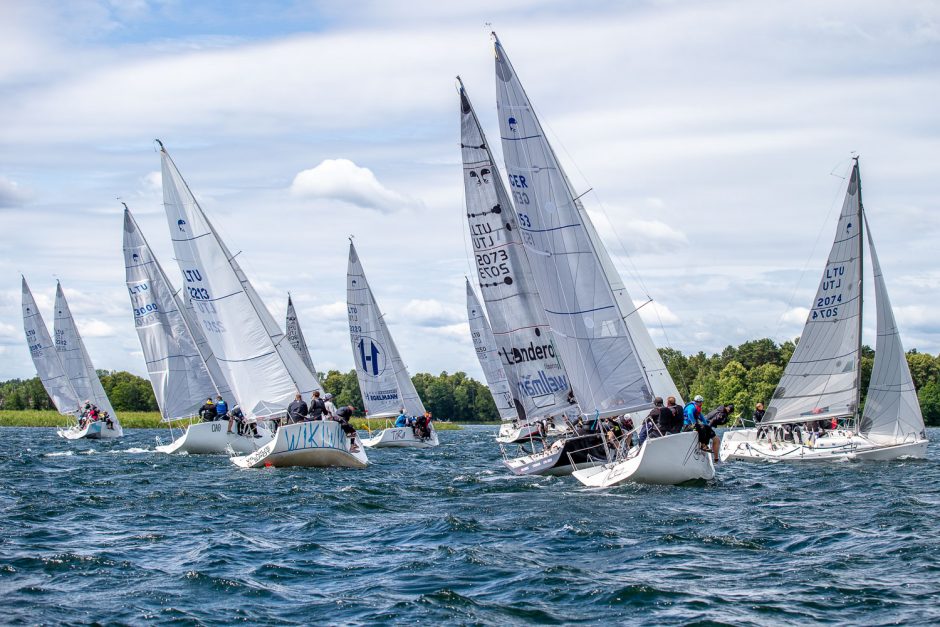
262, 368
523, 346
485, 345
82, 375
822, 380
384, 381
48, 364
595, 328
182, 369
296, 336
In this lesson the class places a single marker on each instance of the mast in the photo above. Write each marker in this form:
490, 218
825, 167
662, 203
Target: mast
861, 286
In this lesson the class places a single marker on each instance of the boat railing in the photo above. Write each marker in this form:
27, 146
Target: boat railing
616, 448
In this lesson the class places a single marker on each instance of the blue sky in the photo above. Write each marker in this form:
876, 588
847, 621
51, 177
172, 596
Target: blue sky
712, 133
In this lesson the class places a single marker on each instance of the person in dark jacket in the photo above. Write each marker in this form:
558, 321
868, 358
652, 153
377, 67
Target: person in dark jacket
297, 410
650, 426
317, 407
758, 417
706, 431
207, 411
670, 417
343, 416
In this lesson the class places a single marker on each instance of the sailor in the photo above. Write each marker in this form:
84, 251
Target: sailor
758, 417
693, 413
715, 418
650, 426
297, 411
207, 411
670, 417
238, 418
402, 420
317, 407
107, 419
221, 408
329, 409
343, 416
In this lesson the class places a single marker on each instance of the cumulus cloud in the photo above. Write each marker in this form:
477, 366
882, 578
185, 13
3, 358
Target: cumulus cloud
796, 315
11, 193
7, 330
432, 313
95, 328
343, 180
331, 311
656, 314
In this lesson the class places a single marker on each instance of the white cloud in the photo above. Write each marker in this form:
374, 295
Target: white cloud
11, 193
343, 180
796, 315
8, 330
431, 313
94, 328
332, 311
656, 314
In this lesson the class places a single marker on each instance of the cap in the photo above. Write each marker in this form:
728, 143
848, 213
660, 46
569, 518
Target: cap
698, 398
328, 396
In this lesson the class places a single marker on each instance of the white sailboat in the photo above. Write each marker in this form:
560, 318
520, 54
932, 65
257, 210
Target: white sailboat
81, 373
384, 381
262, 368
46, 359
538, 382
822, 380
296, 336
485, 345
586, 303
182, 370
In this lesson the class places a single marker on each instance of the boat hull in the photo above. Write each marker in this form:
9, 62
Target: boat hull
315, 444
744, 445
212, 438
509, 434
667, 460
556, 460
92, 431
401, 437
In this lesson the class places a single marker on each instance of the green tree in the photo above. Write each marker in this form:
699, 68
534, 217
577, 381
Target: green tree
732, 387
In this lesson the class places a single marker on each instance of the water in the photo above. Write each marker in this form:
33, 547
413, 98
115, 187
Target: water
114, 532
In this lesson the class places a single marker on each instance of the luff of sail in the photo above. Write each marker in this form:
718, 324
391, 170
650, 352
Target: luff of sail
179, 376
892, 410
537, 377
263, 370
75, 358
582, 310
46, 358
296, 336
485, 345
822, 377
383, 380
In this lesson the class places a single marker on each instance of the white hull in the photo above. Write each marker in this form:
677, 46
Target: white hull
400, 437
553, 461
318, 444
667, 460
212, 438
744, 445
509, 434
92, 431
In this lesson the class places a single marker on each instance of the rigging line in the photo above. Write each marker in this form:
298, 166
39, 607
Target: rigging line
796, 287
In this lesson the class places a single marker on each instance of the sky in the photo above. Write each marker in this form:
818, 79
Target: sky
714, 138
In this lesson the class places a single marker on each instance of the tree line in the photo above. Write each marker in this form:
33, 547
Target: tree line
743, 375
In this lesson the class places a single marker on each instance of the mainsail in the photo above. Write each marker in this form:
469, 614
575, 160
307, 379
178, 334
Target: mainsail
179, 375
383, 379
264, 371
892, 409
585, 315
296, 337
485, 345
822, 377
538, 380
75, 359
46, 358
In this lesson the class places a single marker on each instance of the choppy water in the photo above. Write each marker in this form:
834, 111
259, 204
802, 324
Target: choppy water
113, 532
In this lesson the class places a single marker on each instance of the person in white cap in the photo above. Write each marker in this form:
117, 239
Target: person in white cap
330, 407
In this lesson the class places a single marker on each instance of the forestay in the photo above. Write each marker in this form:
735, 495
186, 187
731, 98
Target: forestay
485, 345
296, 336
524, 345
46, 358
582, 310
264, 371
75, 359
383, 380
178, 374
822, 377
892, 409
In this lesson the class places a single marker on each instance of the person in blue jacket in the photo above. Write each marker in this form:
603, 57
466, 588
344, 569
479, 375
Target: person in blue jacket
221, 408
693, 413
402, 420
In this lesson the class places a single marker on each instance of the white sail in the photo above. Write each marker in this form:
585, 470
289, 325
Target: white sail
537, 378
46, 358
383, 379
75, 359
296, 336
264, 371
584, 313
822, 377
892, 410
178, 374
490, 361
185, 304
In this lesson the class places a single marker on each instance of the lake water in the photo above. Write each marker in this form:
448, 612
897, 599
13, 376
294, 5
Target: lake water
114, 532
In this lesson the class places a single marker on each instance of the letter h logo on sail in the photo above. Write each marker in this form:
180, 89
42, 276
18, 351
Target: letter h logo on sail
370, 361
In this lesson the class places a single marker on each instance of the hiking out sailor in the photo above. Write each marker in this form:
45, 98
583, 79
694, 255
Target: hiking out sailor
402, 420
207, 411
343, 415
317, 407
329, 409
297, 411
715, 418
238, 418
422, 426
107, 420
693, 413
221, 408
670, 417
